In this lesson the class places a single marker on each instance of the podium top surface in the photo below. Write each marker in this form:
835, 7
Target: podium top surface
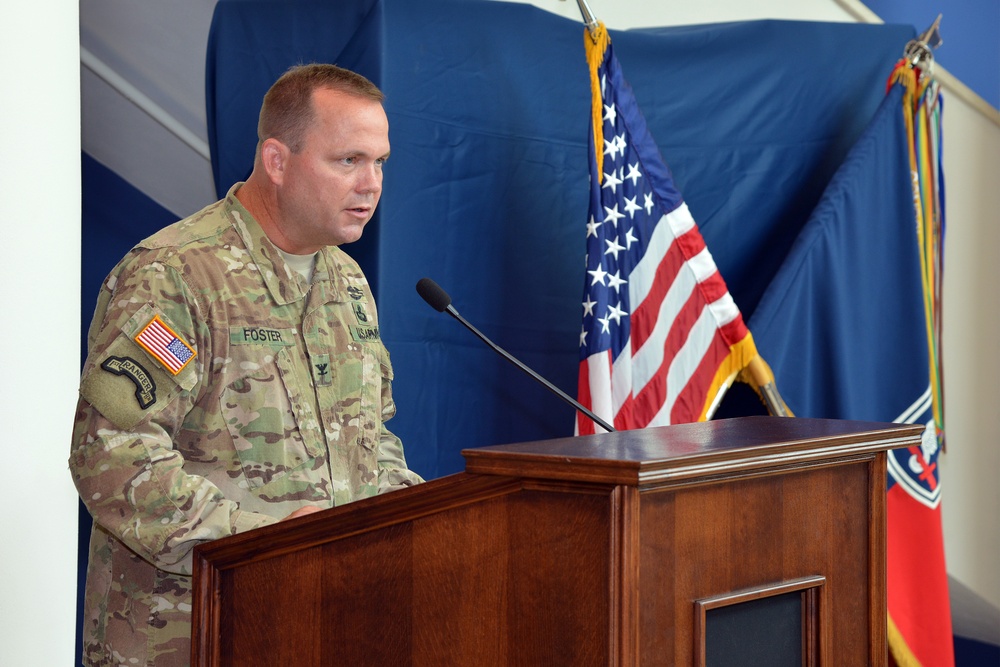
686, 451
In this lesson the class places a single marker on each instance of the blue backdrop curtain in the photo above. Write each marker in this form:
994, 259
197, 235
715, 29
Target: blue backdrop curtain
486, 188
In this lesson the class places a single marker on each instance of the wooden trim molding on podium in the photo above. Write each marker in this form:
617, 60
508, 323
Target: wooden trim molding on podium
626, 548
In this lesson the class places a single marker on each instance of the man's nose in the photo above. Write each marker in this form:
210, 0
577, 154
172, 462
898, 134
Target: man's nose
370, 179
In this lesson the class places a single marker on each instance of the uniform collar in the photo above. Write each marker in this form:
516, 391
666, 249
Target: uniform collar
282, 282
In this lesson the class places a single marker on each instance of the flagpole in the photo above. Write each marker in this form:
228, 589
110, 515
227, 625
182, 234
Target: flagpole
588, 18
763, 378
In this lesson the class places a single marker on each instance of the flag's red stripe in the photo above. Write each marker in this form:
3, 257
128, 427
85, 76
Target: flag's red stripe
646, 312
713, 288
691, 400
735, 331
649, 399
690, 242
626, 417
151, 339
159, 334
584, 426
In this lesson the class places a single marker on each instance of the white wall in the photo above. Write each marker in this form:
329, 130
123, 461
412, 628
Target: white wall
971, 464
39, 361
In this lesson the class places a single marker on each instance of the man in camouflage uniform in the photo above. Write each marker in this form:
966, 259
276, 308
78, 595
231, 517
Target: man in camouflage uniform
235, 374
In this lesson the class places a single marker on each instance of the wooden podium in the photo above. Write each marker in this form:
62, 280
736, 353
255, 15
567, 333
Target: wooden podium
756, 540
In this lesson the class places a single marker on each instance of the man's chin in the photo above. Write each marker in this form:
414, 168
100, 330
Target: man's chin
349, 234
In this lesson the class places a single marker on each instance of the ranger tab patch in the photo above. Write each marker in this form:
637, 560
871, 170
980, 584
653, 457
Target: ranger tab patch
145, 387
166, 346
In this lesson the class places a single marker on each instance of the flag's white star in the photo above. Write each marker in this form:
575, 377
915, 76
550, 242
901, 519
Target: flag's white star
615, 282
631, 207
629, 239
611, 181
613, 215
605, 327
615, 313
634, 173
612, 147
588, 307
583, 337
592, 227
613, 247
648, 203
620, 142
610, 113
598, 274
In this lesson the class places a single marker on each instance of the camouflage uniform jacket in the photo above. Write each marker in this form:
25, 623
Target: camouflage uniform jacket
220, 394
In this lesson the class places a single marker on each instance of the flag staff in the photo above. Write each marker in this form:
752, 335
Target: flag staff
758, 374
588, 18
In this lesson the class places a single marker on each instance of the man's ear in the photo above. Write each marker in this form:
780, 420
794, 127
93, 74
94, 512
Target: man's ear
274, 159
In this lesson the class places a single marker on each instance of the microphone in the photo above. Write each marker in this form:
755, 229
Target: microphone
439, 300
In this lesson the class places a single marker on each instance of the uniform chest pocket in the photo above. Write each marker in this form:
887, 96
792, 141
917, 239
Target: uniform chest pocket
264, 416
352, 399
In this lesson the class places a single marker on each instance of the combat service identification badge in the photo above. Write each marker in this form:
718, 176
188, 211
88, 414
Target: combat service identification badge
165, 346
361, 313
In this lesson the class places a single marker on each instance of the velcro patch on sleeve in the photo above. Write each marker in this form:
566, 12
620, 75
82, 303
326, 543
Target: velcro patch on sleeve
125, 387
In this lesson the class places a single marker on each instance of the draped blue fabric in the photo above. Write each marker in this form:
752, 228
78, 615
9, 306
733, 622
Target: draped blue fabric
854, 273
486, 188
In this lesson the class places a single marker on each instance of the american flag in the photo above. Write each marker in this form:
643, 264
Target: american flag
167, 347
662, 338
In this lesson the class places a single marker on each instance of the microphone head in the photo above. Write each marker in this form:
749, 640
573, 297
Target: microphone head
432, 293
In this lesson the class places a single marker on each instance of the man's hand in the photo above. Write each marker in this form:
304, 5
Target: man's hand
302, 511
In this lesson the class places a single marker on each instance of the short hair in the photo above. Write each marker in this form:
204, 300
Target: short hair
287, 110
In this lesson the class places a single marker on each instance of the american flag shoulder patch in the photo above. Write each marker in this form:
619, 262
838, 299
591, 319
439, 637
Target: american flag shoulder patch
165, 346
